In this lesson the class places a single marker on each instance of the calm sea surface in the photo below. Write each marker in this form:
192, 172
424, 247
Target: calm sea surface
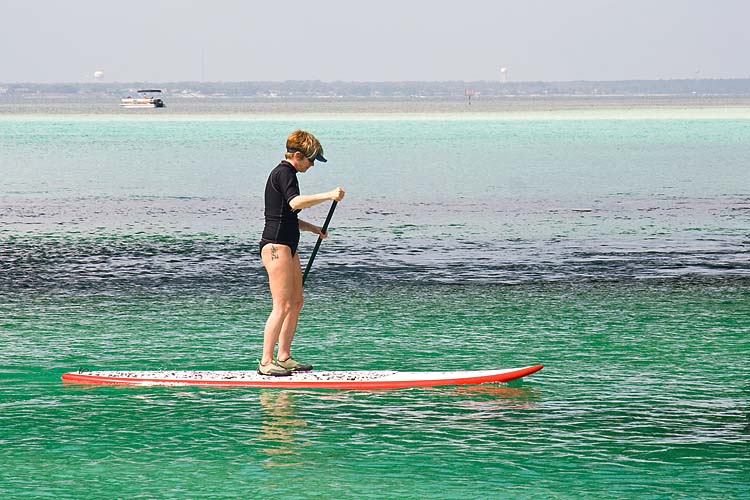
611, 243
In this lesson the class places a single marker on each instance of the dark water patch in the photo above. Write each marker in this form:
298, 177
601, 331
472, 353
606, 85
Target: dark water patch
121, 261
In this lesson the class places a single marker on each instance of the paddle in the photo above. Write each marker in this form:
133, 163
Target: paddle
320, 240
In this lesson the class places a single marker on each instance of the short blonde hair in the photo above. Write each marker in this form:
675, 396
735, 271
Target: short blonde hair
304, 142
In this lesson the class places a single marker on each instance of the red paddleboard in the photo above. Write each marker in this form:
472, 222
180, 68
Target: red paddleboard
362, 380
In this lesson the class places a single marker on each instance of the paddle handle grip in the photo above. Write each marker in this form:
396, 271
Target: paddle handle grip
320, 240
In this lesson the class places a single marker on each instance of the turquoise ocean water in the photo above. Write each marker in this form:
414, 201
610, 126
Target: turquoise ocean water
611, 244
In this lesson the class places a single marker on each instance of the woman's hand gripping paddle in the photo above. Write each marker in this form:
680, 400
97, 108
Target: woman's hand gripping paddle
320, 240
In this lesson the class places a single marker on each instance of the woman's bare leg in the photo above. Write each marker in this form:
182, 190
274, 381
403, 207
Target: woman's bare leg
285, 280
290, 322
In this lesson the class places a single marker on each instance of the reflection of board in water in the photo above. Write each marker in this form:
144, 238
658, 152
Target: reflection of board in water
314, 379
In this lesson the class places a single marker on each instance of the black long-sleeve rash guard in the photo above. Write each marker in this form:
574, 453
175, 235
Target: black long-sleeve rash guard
282, 223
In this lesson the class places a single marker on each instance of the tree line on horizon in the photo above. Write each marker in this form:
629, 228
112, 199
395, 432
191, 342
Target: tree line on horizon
314, 88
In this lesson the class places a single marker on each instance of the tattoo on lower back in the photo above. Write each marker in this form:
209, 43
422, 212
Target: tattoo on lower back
274, 253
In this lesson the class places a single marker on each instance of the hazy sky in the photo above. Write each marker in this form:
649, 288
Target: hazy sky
231, 40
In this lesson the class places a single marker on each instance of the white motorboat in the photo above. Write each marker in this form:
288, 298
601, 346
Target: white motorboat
146, 99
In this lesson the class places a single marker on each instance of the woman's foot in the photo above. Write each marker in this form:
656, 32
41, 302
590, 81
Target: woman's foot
273, 369
293, 365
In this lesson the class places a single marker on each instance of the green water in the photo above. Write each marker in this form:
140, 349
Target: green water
644, 395
613, 251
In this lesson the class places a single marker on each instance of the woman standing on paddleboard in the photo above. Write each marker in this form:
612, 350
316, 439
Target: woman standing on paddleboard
278, 249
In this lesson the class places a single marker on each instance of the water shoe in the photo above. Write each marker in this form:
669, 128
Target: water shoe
293, 365
273, 369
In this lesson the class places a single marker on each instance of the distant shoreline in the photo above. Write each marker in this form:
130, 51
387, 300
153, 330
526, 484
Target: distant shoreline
475, 90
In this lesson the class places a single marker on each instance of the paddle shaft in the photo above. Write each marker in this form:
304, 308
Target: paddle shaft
320, 240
